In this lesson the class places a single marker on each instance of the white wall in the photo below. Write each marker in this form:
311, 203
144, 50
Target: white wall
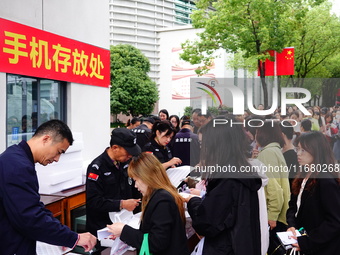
83, 20
28, 12
89, 113
88, 107
170, 38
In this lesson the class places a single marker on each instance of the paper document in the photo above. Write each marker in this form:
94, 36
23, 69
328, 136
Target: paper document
123, 216
45, 248
177, 174
286, 237
186, 195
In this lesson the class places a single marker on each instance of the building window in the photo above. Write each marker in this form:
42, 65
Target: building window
30, 102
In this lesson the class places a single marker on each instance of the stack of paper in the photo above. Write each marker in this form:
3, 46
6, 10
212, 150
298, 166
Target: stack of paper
45, 248
178, 174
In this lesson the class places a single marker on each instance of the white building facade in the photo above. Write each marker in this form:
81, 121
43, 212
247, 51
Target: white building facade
158, 28
136, 22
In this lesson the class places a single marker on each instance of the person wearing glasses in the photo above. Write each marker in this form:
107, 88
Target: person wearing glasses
315, 199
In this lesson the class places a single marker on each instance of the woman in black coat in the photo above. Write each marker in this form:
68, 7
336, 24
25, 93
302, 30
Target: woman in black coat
315, 199
228, 215
162, 210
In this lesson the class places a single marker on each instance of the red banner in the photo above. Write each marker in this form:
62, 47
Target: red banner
29, 51
284, 63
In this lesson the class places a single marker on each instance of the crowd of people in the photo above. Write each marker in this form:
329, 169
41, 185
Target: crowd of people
270, 142
258, 175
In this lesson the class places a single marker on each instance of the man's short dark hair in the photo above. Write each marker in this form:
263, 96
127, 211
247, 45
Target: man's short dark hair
198, 111
306, 124
287, 128
58, 130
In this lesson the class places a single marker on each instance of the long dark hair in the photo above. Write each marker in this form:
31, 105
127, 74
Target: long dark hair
316, 144
224, 144
269, 132
165, 111
177, 119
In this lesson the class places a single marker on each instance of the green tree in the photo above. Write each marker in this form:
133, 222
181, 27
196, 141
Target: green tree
251, 27
132, 90
316, 40
188, 111
317, 53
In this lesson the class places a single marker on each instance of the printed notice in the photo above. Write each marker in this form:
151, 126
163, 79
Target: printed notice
45, 248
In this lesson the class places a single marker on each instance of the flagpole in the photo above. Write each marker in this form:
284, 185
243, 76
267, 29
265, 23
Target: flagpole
275, 70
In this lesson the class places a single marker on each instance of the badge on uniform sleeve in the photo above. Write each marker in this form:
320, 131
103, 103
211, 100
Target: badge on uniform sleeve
93, 176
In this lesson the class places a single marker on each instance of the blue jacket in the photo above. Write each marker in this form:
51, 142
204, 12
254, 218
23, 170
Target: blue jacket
23, 218
186, 147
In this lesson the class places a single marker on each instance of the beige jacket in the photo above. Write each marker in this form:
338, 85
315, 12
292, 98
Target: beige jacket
277, 190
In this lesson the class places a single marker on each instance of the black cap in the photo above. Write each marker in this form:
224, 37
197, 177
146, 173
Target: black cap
126, 139
187, 122
149, 119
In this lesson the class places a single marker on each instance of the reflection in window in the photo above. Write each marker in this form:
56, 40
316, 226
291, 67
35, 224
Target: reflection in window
31, 102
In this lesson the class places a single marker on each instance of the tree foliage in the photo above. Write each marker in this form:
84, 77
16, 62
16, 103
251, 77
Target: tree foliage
132, 90
317, 50
251, 27
316, 39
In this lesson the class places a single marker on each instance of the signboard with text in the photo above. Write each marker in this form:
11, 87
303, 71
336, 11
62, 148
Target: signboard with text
33, 52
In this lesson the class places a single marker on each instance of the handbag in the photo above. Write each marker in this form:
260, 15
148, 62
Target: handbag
144, 250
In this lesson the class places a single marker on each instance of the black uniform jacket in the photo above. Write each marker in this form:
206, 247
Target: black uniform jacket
23, 218
319, 215
106, 185
228, 217
163, 153
143, 134
163, 223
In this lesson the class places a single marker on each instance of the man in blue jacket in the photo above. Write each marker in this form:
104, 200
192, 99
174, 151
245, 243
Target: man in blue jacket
186, 145
23, 218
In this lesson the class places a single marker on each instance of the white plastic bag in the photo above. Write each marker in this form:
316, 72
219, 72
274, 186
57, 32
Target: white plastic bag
119, 247
294, 252
199, 247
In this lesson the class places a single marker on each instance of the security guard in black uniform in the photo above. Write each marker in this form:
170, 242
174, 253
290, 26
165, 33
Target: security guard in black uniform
108, 186
143, 131
162, 133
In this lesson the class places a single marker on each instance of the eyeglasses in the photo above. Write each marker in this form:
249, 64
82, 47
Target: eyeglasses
300, 150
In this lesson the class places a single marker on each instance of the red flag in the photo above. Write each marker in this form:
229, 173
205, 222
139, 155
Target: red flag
284, 63
93, 176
